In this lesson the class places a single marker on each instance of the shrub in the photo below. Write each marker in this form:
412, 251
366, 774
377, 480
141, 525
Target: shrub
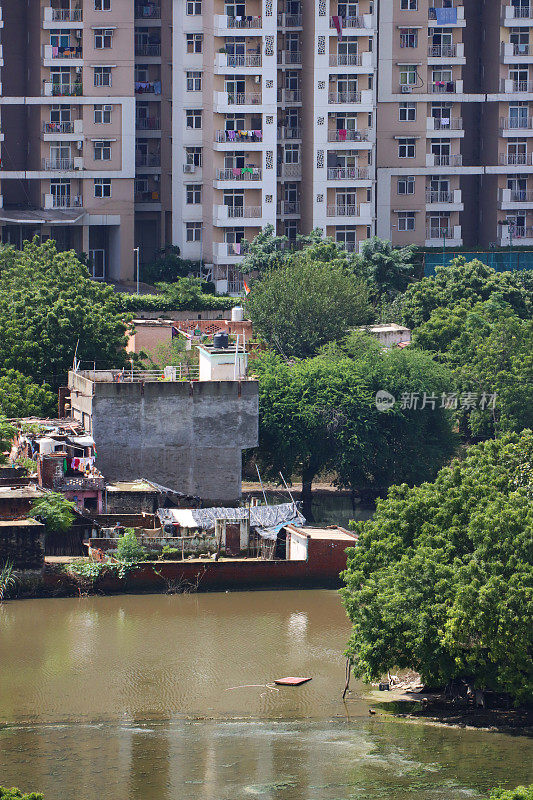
170, 554
520, 793
16, 794
129, 547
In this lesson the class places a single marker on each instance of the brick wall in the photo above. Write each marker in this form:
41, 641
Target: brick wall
131, 502
22, 544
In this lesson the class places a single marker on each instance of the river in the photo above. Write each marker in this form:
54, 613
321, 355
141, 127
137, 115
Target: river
138, 698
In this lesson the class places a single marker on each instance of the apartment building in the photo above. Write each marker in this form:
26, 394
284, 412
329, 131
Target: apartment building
196, 123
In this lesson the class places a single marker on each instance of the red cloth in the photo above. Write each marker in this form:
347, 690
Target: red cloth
337, 21
342, 134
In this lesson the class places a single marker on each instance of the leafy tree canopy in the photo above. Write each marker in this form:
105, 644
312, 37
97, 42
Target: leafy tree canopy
310, 300
55, 511
520, 793
17, 794
267, 251
48, 303
441, 579
462, 282
490, 351
7, 432
388, 270
20, 397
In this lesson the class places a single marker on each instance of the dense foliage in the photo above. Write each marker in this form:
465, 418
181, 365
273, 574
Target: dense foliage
320, 413
388, 270
520, 793
168, 266
309, 301
128, 547
185, 294
48, 305
441, 579
21, 397
17, 794
55, 511
7, 432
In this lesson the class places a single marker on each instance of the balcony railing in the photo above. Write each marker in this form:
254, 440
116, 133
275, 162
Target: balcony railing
148, 160
239, 137
521, 50
519, 196
289, 171
289, 57
342, 211
251, 99
443, 87
234, 248
442, 51
289, 95
516, 159
439, 233
447, 160
66, 52
289, 133
525, 12
517, 232
349, 22
348, 173
350, 247
67, 14
346, 60
438, 197
67, 89
347, 136
147, 87
253, 60
244, 212
83, 482
516, 87
147, 11
288, 207
245, 23
150, 50
58, 127
239, 174
148, 124
448, 124
67, 201
63, 164
289, 20
147, 197
516, 123
344, 97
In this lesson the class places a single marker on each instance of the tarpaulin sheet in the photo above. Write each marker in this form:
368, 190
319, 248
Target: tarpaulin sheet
267, 520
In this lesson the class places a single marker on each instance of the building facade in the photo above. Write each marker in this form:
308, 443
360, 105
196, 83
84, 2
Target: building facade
196, 123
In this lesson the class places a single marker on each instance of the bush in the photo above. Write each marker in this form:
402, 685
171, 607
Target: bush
16, 794
129, 548
55, 511
520, 793
170, 554
186, 294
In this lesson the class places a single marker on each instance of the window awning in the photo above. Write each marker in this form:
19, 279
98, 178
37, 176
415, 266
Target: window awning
30, 216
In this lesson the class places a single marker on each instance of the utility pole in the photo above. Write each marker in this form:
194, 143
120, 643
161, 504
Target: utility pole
136, 251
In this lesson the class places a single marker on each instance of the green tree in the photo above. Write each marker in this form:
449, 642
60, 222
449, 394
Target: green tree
265, 252
467, 283
128, 547
307, 302
48, 303
520, 793
388, 270
21, 397
17, 794
55, 511
441, 579
169, 266
7, 432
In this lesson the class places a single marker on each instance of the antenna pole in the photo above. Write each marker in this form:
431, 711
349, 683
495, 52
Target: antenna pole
261, 482
287, 488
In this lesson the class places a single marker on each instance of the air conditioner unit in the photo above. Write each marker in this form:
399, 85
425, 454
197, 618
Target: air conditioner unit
189, 168
156, 178
79, 145
257, 78
78, 70
77, 34
406, 89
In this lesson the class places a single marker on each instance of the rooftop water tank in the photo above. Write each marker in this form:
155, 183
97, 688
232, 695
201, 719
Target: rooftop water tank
221, 340
237, 314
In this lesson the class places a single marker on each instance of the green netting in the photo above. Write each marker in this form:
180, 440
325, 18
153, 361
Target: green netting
500, 260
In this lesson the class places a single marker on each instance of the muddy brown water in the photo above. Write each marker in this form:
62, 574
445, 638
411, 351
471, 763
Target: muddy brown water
171, 698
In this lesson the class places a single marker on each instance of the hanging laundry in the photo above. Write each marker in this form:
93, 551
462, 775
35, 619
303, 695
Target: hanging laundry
337, 21
446, 16
342, 134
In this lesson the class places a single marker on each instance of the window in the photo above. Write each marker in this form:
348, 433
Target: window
193, 194
102, 115
407, 112
193, 118
102, 76
103, 38
102, 150
193, 156
406, 220
408, 5
194, 81
408, 75
292, 154
406, 184
193, 231
194, 42
408, 37
141, 185
102, 187
102, 5
193, 8
406, 148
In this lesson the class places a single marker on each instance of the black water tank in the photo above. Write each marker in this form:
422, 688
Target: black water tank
221, 340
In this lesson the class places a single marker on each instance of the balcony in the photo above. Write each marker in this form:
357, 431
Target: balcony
226, 26
347, 136
446, 87
508, 125
289, 58
444, 16
363, 212
148, 160
239, 137
346, 60
509, 199
289, 20
518, 235
437, 236
445, 124
514, 15
148, 50
361, 21
148, 87
149, 197
55, 56
444, 200
509, 86
290, 97
51, 201
52, 164
51, 89
225, 102
62, 15
516, 159
515, 53
287, 208
285, 133
148, 124
246, 215
72, 128
348, 174
229, 253
444, 160
344, 97
225, 61
66, 483
342, 211
145, 11
240, 174
442, 51
289, 171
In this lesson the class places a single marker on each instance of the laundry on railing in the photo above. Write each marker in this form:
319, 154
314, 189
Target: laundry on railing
446, 16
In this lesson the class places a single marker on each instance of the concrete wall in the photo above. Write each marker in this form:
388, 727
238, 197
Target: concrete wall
187, 436
22, 544
130, 502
